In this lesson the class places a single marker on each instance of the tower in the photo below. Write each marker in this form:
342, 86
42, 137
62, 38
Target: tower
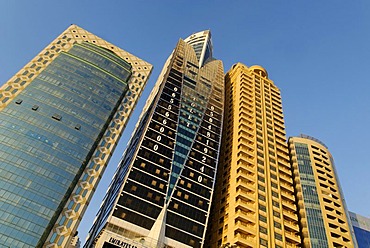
254, 203
60, 119
322, 211
161, 193
361, 226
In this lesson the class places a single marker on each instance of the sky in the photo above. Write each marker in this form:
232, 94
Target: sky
316, 52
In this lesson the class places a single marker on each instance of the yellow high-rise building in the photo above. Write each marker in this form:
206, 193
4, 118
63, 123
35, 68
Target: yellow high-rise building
322, 210
254, 203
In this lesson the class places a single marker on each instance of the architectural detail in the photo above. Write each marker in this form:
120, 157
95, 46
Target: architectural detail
61, 117
361, 226
75, 242
322, 210
254, 203
161, 193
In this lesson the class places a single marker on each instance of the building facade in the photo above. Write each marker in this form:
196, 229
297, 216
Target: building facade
254, 202
60, 119
161, 193
361, 227
75, 242
322, 211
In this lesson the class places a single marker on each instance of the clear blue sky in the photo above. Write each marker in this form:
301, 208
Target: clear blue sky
316, 52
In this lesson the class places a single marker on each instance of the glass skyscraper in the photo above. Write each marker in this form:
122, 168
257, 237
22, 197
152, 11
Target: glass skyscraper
361, 227
60, 119
322, 210
161, 193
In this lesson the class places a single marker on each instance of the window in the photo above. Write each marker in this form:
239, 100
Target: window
263, 242
275, 194
276, 214
277, 225
133, 188
261, 179
263, 230
278, 236
274, 185
260, 187
261, 207
262, 218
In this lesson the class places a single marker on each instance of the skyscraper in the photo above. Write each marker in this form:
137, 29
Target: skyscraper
361, 226
60, 119
322, 211
161, 193
254, 203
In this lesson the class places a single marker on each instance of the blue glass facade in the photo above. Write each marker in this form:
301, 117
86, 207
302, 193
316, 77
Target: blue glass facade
311, 200
363, 237
361, 228
48, 134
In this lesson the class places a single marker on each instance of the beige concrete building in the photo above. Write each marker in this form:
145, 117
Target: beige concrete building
322, 210
254, 203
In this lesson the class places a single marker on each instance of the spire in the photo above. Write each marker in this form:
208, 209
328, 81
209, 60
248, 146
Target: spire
157, 234
202, 44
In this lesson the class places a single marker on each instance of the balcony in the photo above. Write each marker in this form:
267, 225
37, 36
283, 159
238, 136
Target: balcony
243, 240
284, 170
247, 228
290, 214
242, 182
287, 195
283, 155
287, 186
246, 195
289, 205
247, 142
293, 238
290, 224
244, 118
245, 170
245, 156
246, 216
247, 206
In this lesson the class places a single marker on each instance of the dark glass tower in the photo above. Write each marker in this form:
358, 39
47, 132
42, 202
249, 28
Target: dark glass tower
60, 118
161, 193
